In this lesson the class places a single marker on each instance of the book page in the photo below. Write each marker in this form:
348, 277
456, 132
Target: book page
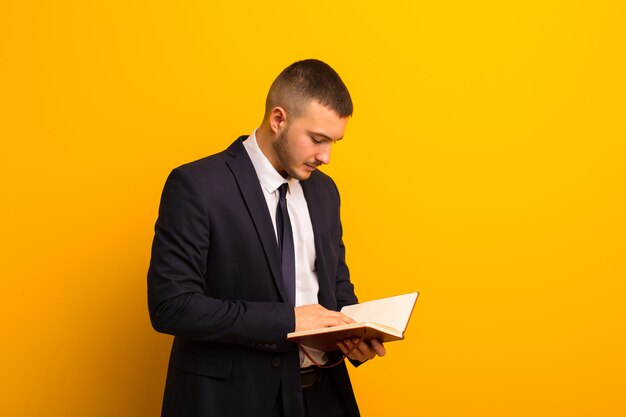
392, 312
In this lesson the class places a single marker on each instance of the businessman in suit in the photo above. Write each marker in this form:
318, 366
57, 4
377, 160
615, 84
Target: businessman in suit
247, 248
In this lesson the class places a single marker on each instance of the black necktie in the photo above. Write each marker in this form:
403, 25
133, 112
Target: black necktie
285, 243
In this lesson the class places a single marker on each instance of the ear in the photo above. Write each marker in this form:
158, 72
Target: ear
278, 119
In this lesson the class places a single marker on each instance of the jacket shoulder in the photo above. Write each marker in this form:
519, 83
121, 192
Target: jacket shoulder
213, 165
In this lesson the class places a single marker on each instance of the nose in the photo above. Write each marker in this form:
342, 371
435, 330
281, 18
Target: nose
323, 155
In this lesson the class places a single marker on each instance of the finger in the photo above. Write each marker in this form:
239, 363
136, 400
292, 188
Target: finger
364, 349
378, 347
347, 319
355, 353
343, 347
336, 319
339, 316
331, 322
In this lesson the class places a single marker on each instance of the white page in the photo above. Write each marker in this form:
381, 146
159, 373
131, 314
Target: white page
392, 312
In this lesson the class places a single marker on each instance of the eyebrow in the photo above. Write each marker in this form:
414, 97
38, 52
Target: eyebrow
325, 136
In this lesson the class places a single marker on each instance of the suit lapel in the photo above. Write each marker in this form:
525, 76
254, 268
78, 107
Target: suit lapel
316, 204
248, 183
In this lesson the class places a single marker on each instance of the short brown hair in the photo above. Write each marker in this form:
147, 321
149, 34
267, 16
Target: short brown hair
306, 80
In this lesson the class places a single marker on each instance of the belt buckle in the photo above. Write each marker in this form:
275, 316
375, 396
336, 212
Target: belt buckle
309, 376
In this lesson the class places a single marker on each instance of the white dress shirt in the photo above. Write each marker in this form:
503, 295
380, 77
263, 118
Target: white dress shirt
307, 285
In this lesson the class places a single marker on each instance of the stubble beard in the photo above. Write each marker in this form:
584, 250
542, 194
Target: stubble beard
285, 157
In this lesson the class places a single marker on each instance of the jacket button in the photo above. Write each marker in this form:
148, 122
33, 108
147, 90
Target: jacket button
266, 346
273, 346
276, 362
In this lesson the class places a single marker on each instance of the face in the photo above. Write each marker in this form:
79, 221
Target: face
304, 143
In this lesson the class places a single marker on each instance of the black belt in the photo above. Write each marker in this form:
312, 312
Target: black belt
310, 376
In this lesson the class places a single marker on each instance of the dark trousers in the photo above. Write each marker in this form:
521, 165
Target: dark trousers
320, 400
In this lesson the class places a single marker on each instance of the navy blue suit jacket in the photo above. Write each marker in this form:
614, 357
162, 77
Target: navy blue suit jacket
215, 284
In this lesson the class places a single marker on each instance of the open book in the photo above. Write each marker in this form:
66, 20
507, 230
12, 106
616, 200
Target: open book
384, 319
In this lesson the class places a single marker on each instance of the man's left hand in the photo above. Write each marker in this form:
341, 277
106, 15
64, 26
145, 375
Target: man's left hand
364, 351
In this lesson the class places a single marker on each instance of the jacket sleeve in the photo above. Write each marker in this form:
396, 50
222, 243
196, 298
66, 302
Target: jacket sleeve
344, 289
177, 301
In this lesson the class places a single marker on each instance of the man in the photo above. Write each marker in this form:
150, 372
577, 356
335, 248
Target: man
247, 248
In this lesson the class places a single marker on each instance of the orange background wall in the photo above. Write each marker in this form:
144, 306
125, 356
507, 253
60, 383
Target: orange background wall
484, 167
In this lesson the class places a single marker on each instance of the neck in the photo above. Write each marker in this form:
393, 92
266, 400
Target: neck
265, 138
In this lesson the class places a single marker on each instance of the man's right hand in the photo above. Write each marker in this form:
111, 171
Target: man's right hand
314, 316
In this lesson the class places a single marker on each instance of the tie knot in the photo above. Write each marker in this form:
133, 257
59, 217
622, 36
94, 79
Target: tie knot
282, 190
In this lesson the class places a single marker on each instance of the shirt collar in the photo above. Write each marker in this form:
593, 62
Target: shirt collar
269, 178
